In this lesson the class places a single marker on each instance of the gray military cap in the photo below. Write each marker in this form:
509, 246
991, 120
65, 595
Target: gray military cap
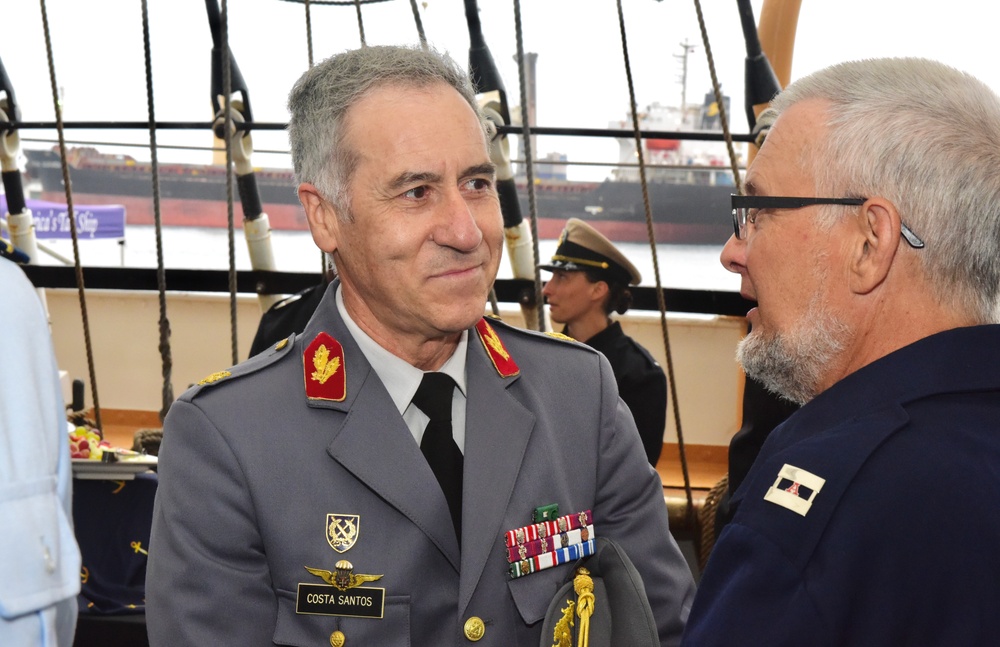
621, 611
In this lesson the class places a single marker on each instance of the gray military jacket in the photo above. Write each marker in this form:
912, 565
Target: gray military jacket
257, 483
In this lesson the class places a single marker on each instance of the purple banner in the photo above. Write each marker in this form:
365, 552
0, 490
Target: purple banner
92, 221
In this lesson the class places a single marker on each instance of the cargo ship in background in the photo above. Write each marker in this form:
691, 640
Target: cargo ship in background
689, 188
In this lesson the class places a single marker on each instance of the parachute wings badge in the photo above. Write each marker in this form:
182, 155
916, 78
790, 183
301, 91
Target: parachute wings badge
343, 576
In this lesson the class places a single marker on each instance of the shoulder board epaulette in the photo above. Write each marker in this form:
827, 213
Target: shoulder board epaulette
565, 342
549, 336
502, 361
644, 352
214, 377
324, 369
252, 365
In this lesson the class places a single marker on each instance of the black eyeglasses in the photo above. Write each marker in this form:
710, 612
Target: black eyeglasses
745, 208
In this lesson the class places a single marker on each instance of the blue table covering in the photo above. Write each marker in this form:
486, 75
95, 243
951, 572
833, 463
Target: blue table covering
112, 520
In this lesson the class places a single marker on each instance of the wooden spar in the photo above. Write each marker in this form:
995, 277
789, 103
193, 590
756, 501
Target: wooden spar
779, 20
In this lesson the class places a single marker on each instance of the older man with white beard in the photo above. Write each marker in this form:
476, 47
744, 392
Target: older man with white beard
869, 236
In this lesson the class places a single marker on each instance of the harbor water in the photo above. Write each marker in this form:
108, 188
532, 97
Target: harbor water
694, 267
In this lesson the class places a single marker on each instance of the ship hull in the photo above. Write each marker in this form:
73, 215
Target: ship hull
195, 196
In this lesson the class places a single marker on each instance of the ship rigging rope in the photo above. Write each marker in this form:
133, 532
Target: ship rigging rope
267, 125
309, 34
309, 47
72, 218
227, 91
167, 394
419, 23
338, 3
275, 151
692, 518
717, 91
529, 165
361, 23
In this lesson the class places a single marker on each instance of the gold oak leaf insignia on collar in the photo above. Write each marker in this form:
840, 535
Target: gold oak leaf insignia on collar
501, 359
494, 342
324, 369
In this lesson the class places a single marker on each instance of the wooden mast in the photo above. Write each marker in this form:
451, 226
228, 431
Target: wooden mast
776, 28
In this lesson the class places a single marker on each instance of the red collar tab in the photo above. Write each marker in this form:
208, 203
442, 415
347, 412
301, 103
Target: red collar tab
324, 368
505, 366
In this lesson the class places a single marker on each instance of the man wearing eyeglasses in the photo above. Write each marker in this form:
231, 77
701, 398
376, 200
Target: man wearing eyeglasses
869, 236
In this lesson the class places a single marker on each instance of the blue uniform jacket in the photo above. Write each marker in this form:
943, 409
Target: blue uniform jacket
899, 543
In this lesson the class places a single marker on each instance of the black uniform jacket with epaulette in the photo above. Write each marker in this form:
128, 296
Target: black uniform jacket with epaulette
642, 384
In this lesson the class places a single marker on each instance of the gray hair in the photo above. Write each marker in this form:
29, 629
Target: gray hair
926, 137
321, 99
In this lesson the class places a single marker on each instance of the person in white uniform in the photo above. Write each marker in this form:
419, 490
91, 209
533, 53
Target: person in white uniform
40, 570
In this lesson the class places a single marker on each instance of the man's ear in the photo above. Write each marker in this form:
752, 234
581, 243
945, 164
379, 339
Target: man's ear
321, 216
875, 246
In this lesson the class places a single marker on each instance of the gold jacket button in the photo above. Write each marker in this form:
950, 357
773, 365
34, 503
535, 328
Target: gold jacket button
474, 628
337, 639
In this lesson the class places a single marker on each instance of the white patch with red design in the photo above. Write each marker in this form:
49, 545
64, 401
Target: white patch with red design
795, 489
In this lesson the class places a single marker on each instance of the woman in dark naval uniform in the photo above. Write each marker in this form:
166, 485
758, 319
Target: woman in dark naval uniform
590, 280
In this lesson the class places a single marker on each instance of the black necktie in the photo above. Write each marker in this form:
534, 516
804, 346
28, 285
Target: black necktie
433, 397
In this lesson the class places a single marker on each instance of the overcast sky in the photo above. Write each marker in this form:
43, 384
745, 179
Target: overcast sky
98, 55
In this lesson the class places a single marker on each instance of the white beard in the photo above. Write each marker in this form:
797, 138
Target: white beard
792, 364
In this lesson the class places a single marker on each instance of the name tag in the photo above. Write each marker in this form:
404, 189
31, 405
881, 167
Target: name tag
323, 600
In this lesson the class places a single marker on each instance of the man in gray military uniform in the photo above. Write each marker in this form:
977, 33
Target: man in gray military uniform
312, 495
